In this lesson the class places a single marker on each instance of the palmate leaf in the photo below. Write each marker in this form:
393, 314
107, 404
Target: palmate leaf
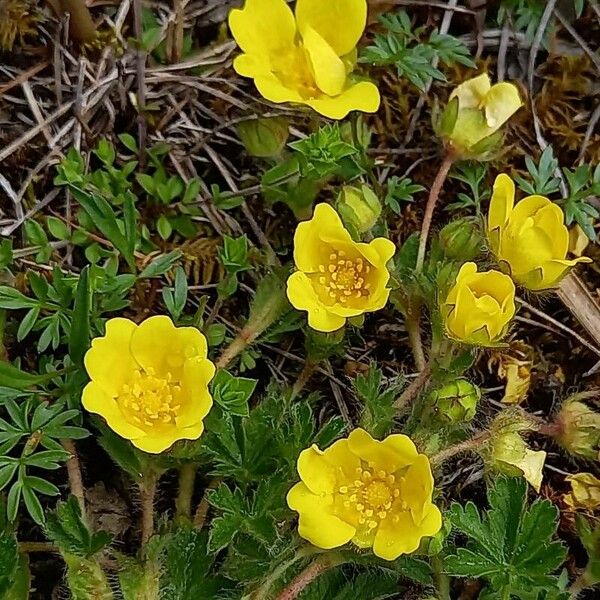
511, 544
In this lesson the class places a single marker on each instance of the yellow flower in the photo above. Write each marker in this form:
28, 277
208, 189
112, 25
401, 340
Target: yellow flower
482, 110
307, 59
337, 278
479, 307
375, 494
149, 381
529, 239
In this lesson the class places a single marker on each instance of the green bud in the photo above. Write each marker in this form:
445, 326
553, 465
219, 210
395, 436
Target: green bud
461, 240
578, 428
320, 346
359, 207
264, 138
457, 401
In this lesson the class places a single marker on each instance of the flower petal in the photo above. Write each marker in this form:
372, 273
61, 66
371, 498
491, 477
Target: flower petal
362, 96
404, 536
319, 475
263, 27
472, 93
151, 351
501, 102
109, 362
417, 487
272, 89
340, 22
302, 296
95, 400
329, 70
316, 522
195, 398
501, 206
391, 454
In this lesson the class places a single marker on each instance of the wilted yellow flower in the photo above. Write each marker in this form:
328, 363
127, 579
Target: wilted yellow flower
585, 491
308, 58
149, 381
477, 109
514, 365
337, 278
510, 455
530, 239
375, 494
479, 307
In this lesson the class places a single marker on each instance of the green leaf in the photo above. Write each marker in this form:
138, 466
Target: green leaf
33, 505
79, 337
6, 253
233, 393
511, 545
129, 142
35, 233
9, 559
27, 323
58, 228
223, 530
104, 218
65, 527
13, 299
160, 265
12, 377
234, 254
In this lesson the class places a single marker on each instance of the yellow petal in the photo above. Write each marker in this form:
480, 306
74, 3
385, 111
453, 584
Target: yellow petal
317, 524
551, 273
501, 205
578, 240
472, 93
159, 442
417, 487
362, 96
328, 69
313, 239
272, 89
302, 296
264, 28
109, 362
95, 400
394, 452
340, 22
157, 344
404, 536
532, 466
318, 475
501, 102
195, 398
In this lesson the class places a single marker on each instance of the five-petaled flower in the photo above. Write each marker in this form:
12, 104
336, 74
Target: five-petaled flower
479, 307
149, 381
482, 110
375, 494
337, 278
307, 59
530, 240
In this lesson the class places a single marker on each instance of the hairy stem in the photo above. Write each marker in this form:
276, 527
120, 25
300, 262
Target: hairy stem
434, 194
183, 503
74, 474
413, 328
147, 493
412, 391
303, 378
442, 581
322, 563
466, 446
202, 510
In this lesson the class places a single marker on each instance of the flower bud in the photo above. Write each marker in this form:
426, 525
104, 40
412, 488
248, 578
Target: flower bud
461, 240
578, 428
264, 138
457, 401
359, 207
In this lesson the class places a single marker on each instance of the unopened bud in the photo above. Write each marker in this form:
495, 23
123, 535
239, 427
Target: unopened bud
461, 240
359, 207
457, 401
578, 428
264, 138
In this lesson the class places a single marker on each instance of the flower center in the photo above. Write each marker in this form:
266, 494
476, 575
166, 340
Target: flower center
344, 278
372, 495
148, 399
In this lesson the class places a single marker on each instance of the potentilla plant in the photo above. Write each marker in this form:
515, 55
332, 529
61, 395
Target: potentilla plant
121, 369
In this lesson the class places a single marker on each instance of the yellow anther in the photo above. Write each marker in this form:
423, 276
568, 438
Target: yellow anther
369, 512
382, 514
322, 268
344, 489
372, 524
360, 507
346, 503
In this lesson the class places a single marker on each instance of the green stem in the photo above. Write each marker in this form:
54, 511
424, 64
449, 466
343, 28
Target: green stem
147, 493
467, 446
413, 328
183, 502
303, 378
442, 581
